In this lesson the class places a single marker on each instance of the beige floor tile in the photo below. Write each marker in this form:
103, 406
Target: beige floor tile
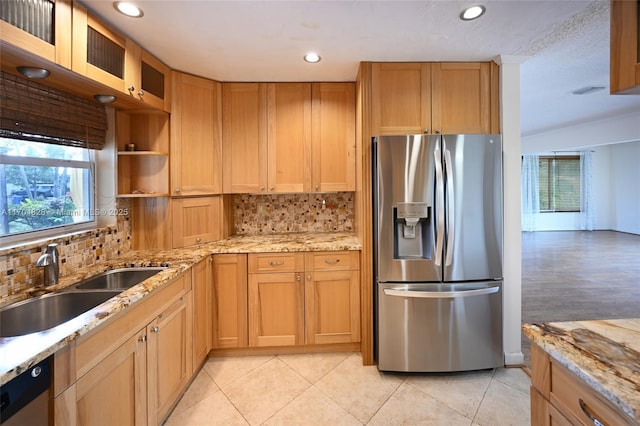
515, 377
265, 390
214, 410
504, 405
410, 406
462, 392
201, 387
224, 371
312, 408
359, 390
313, 366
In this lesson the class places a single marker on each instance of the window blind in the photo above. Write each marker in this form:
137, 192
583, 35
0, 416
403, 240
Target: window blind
32, 111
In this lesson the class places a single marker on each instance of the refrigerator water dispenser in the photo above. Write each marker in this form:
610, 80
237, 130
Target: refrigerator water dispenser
411, 232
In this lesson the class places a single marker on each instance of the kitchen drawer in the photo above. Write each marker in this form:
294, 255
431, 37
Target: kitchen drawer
577, 401
275, 262
332, 261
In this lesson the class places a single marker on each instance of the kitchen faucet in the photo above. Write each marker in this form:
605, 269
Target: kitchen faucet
49, 261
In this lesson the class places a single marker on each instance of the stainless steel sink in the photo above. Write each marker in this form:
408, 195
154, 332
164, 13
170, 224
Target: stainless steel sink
48, 311
118, 279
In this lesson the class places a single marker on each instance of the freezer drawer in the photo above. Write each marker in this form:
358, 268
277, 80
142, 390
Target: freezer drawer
439, 327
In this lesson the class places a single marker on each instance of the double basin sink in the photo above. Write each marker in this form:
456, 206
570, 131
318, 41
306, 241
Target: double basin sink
48, 311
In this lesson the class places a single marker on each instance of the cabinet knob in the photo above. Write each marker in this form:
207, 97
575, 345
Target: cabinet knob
210, 259
198, 240
437, 131
140, 93
309, 277
426, 131
317, 187
271, 188
262, 188
177, 190
142, 338
298, 277
131, 88
155, 329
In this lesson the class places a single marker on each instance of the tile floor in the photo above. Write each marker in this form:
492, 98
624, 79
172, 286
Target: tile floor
335, 389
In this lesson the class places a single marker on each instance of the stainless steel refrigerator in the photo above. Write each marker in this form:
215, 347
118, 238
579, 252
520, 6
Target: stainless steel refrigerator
438, 252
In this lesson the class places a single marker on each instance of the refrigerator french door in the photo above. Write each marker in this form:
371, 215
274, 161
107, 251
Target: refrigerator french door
438, 252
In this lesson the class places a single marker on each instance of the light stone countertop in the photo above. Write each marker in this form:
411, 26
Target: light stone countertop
19, 353
603, 353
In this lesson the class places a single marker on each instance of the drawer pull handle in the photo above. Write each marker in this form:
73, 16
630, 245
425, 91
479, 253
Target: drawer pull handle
331, 261
587, 413
276, 262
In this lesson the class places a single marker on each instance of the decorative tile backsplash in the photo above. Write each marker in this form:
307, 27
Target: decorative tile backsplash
284, 213
17, 265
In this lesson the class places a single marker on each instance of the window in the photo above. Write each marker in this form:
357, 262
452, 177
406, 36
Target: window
559, 183
44, 188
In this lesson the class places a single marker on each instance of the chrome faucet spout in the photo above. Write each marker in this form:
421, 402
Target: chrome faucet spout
49, 261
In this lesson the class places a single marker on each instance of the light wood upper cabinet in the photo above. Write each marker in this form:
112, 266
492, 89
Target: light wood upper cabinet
625, 47
53, 45
460, 97
202, 316
413, 98
230, 301
196, 136
401, 98
333, 137
288, 137
244, 137
196, 220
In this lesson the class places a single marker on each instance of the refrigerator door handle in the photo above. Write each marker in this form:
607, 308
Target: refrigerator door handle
440, 207
450, 207
440, 294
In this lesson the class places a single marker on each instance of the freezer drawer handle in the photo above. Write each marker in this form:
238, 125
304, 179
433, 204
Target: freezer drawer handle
441, 294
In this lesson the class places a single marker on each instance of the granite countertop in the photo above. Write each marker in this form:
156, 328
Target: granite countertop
603, 353
21, 352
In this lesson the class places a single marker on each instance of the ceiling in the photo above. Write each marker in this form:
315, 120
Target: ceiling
564, 44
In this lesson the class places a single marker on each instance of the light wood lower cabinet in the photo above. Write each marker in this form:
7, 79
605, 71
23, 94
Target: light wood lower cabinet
229, 301
303, 298
118, 376
559, 397
202, 318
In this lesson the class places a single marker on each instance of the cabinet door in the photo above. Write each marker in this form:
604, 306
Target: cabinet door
202, 318
332, 307
196, 138
461, 95
289, 137
401, 98
152, 84
244, 137
276, 309
196, 220
333, 137
53, 45
168, 357
230, 301
114, 392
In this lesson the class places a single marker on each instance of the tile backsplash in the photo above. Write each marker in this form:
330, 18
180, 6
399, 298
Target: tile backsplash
17, 265
284, 213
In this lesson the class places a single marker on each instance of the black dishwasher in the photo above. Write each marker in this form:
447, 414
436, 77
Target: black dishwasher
25, 399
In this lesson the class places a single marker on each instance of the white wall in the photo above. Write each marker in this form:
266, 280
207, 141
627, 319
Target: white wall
615, 142
625, 187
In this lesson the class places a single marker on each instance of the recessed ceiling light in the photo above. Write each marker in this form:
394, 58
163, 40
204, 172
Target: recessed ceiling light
33, 72
472, 12
312, 58
128, 9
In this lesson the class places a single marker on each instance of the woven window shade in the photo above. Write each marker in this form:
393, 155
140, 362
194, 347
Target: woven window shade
34, 112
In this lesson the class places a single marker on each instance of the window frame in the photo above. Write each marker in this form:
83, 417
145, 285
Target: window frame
55, 231
550, 159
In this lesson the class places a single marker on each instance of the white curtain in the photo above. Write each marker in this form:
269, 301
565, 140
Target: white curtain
587, 217
530, 205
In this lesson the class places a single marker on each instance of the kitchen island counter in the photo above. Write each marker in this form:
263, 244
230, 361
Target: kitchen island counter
604, 354
22, 352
